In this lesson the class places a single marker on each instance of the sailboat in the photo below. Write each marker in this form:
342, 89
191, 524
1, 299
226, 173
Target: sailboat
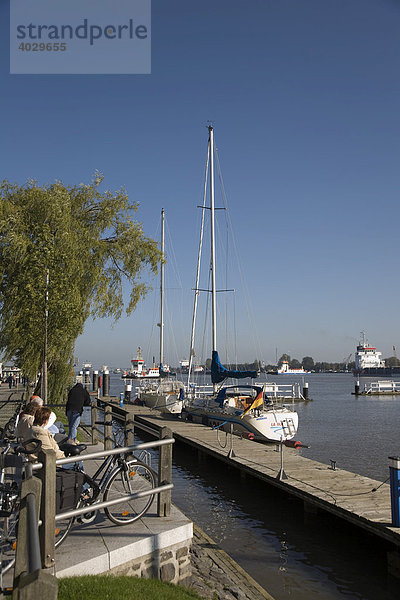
166, 394
241, 409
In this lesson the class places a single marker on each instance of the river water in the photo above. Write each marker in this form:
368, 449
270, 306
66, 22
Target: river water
292, 555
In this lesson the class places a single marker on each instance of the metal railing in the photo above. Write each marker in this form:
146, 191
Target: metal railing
384, 387
35, 552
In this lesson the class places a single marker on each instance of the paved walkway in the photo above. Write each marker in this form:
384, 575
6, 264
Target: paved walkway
102, 546
7, 408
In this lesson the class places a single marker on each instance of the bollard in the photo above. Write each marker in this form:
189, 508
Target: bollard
305, 391
394, 469
128, 392
95, 381
86, 379
357, 388
106, 383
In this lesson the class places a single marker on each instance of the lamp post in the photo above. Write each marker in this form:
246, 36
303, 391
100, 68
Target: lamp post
46, 318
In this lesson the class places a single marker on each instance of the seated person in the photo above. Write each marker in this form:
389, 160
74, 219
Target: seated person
39, 431
25, 421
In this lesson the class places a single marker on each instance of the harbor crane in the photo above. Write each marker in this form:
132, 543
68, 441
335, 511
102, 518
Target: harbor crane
346, 361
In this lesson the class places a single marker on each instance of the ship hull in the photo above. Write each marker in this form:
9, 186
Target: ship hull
378, 372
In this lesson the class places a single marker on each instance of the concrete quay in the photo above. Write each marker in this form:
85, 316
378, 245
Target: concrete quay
170, 548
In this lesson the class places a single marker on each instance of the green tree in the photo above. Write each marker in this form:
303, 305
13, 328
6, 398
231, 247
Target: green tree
308, 363
283, 358
295, 364
65, 252
392, 361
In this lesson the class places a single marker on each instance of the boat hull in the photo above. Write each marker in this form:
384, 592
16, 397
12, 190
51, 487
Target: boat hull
164, 396
165, 403
273, 425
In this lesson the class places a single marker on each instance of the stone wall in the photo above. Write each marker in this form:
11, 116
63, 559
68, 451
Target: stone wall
170, 564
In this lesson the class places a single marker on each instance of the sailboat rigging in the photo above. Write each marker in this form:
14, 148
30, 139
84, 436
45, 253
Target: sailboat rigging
240, 408
165, 394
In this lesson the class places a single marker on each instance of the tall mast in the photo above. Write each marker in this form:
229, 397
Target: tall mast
212, 210
196, 287
162, 292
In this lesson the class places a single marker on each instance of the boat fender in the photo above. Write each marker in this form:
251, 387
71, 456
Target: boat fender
250, 436
293, 444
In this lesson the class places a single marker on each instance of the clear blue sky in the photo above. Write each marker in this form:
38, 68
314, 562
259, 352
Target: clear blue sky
304, 96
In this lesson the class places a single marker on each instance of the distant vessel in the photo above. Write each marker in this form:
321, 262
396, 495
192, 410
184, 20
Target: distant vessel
368, 361
86, 365
184, 365
138, 369
284, 370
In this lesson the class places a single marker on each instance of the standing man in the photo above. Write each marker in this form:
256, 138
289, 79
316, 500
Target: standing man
78, 397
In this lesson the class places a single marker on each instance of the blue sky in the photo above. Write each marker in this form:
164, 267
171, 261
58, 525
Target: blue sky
304, 96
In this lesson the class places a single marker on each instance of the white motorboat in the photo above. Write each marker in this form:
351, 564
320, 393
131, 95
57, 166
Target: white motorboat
236, 408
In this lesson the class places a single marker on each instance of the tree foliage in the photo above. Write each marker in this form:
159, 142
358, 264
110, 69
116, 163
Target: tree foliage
89, 244
308, 363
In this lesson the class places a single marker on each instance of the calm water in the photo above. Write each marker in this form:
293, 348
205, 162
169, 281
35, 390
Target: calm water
290, 554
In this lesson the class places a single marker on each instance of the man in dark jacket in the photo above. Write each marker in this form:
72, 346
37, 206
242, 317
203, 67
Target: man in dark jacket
78, 397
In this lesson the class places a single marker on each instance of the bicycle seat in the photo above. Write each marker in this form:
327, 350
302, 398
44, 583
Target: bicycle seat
72, 449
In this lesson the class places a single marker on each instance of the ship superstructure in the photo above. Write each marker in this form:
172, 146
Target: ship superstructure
367, 357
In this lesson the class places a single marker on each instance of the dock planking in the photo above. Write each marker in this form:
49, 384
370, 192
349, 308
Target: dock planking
359, 500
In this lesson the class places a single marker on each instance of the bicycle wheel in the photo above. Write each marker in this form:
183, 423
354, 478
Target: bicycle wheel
136, 478
63, 527
8, 540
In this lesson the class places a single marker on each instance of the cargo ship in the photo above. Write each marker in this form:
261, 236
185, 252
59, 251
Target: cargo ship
368, 361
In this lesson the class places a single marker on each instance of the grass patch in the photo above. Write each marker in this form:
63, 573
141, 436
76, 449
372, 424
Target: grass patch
110, 587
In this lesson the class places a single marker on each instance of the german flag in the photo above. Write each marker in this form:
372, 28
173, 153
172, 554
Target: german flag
258, 401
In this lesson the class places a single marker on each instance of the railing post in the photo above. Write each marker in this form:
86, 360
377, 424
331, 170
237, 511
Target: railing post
164, 474
394, 469
47, 507
29, 486
108, 441
93, 416
129, 429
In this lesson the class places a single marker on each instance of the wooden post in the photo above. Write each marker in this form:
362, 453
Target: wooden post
47, 507
32, 485
95, 385
106, 383
93, 416
164, 474
108, 440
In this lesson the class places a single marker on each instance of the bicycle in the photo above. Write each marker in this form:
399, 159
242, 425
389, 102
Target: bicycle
119, 476
13, 456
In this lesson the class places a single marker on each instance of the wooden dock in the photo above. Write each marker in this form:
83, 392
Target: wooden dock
359, 500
